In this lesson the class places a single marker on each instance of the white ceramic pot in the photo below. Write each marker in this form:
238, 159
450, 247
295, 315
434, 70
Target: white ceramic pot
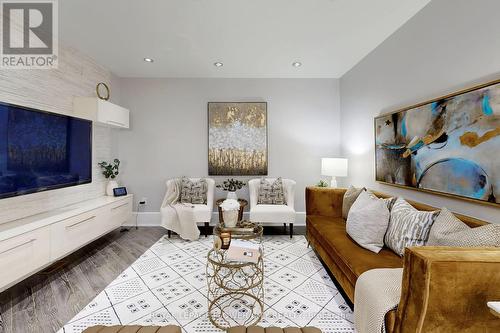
232, 195
111, 185
230, 218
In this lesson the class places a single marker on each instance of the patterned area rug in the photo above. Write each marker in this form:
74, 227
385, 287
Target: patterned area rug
167, 285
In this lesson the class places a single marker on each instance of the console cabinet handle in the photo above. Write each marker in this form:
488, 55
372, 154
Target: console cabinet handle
19, 245
80, 222
125, 204
115, 123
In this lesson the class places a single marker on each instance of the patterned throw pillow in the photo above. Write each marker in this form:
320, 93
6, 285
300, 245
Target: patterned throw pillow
271, 193
408, 226
448, 230
350, 196
193, 192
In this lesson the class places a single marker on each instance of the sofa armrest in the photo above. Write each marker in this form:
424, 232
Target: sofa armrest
324, 201
445, 289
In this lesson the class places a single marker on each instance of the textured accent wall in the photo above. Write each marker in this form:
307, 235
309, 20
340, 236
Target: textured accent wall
53, 90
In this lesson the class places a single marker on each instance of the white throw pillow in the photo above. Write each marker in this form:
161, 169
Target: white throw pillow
367, 221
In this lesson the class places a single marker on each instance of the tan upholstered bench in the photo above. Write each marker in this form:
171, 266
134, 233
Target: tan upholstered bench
258, 329
177, 329
134, 329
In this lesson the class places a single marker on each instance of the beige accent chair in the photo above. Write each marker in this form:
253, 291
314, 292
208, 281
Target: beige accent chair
273, 214
202, 213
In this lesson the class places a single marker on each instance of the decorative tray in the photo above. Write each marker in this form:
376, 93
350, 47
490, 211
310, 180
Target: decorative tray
242, 227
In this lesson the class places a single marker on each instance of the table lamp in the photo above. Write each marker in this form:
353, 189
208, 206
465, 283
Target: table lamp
334, 167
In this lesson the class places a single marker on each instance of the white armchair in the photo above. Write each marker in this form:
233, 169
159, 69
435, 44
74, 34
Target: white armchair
273, 214
202, 212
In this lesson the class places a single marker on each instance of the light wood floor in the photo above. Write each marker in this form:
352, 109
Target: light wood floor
44, 302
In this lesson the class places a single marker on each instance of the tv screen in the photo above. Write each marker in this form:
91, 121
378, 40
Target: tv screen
41, 151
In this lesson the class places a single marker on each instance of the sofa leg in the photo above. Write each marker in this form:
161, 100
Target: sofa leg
291, 230
206, 229
169, 233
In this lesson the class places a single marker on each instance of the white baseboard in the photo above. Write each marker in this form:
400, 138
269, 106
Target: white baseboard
152, 219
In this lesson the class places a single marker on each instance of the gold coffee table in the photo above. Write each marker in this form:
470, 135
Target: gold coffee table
235, 289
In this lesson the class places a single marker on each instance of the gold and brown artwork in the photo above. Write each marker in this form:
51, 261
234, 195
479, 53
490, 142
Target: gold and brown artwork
237, 139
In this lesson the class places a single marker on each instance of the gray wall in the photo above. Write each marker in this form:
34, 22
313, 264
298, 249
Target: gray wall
168, 137
448, 45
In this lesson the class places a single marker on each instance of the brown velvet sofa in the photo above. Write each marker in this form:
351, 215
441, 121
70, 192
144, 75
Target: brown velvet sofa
444, 289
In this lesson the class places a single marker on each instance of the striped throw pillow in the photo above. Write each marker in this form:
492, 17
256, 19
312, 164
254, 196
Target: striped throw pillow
408, 226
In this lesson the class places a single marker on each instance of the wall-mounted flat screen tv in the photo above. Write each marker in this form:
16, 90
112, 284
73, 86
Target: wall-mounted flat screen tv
41, 151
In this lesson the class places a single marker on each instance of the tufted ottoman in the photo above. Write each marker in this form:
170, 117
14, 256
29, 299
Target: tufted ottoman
177, 329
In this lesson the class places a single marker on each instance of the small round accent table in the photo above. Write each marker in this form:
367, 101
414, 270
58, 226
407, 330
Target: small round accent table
243, 204
235, 288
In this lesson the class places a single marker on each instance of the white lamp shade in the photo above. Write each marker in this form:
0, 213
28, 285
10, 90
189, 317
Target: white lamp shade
335, 167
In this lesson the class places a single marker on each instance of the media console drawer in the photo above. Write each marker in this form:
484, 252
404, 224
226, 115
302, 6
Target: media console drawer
23, 254
74, 232
120, 213
30, 244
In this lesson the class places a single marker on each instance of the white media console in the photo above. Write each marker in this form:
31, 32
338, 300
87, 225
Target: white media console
33, 243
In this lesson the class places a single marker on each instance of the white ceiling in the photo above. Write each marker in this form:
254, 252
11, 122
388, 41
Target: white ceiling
253, 38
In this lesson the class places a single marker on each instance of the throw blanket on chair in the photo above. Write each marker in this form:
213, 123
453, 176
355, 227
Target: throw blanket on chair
377, 292
178, 217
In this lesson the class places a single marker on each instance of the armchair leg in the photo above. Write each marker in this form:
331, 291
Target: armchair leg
169, 233
284, 227
291, 230
206, 229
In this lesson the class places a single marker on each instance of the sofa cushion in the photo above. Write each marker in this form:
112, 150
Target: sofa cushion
350, 197
408, 226
448, 230
352, 259
367, 221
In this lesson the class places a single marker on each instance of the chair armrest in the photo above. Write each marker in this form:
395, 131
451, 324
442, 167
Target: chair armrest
253, 189
324, 201
445, 289
210, 193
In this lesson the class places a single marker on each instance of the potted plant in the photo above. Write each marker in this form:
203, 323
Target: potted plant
231, 186
110, 171
322, 183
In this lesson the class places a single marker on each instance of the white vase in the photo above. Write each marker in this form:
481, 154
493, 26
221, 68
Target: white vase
232, 195
230, 218
111, 185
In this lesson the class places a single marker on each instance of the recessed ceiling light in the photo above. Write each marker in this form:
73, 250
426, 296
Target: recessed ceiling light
218, 64
296, 64
148, 60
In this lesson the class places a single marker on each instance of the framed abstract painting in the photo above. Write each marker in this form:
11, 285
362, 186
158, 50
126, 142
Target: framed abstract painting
448, 145
237, 138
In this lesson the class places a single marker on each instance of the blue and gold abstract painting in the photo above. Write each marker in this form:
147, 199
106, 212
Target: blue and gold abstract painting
450, 145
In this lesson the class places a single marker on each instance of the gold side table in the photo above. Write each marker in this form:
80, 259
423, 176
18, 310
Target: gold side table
235, 289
